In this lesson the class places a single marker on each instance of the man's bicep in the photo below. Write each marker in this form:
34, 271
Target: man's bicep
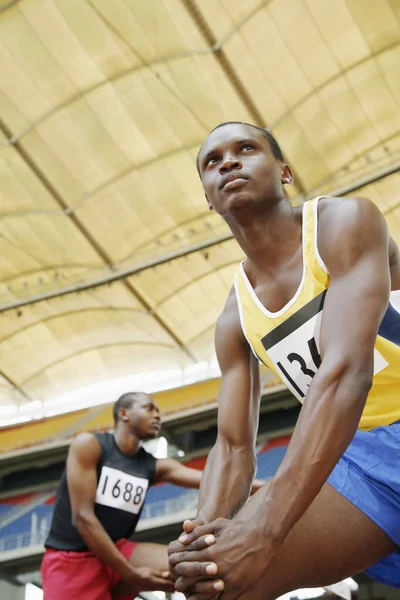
82, 474
358, 293
352, 316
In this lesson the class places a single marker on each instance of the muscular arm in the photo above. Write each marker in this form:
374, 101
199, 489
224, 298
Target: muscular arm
355, 247
170, 470
230, 468
82, 461
83, 457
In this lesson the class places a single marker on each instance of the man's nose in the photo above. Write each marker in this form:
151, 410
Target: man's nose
229, 164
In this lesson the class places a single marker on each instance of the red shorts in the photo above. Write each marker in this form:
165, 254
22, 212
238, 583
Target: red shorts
80, 575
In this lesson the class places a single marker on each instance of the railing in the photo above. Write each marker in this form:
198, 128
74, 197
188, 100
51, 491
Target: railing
184, 501
36, 536
22, 540
17, 511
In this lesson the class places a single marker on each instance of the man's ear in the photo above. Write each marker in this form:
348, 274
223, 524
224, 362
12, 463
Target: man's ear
123, 414
287, 175
210, 206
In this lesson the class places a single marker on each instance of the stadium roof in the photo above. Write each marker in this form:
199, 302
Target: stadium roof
110, 264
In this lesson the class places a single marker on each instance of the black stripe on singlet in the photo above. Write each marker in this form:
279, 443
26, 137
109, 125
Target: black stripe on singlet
298, 319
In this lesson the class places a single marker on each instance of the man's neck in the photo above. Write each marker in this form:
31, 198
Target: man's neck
127, 442
267, 234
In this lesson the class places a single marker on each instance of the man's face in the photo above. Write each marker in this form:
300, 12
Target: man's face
144, 417
237, 167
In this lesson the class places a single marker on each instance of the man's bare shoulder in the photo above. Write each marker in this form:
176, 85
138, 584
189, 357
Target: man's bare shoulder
349, 227
229, 329
85, 445
229, 316
349, 210
85, 438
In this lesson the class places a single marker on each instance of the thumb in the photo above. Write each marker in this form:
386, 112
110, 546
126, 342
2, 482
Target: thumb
188, 525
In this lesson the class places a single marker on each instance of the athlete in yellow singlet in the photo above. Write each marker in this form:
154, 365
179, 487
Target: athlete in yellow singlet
311, 301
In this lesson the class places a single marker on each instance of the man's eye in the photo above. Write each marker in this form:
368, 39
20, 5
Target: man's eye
212, 160
248, 147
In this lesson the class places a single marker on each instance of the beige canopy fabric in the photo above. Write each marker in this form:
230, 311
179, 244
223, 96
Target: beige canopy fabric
110, 263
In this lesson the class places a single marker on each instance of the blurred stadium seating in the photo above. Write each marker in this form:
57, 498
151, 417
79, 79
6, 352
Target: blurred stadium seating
25, 520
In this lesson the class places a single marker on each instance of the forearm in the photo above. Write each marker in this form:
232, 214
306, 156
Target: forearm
101, 544
226, 481
326, 426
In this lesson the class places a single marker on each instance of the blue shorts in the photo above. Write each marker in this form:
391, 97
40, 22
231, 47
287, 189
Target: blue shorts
368, 475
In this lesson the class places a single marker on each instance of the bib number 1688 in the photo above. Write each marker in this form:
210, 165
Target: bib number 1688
121, 490
128, 491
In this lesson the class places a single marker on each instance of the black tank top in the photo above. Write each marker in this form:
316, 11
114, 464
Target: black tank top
122, 483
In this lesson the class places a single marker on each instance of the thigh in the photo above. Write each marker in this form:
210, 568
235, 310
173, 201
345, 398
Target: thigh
333, 540
154, 556
150, 555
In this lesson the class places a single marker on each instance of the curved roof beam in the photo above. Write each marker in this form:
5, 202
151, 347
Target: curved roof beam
201, 217
195, 280
45, 270
70, 208
126, 72
59, 361
15, 386
69, 313
124, 273
117, 276
331, 178
202, 332
320, 87
42, 177
215, 48
230, 72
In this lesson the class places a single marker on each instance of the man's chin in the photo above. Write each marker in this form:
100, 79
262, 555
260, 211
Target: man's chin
241, 201
151, 436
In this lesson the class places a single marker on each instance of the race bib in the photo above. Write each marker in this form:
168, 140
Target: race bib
293, 348
120, 490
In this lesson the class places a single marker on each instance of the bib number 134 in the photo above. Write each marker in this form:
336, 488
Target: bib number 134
303, 365
121, 490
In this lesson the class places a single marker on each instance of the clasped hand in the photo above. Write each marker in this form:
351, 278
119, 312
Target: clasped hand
217, 557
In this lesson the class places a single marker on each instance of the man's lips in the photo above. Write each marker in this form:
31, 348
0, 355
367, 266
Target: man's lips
233, 181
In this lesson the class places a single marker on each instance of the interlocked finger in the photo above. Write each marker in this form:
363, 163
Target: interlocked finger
187, 557
190, 572
209, 587
201, 543
200, 531
175, 547
204, 586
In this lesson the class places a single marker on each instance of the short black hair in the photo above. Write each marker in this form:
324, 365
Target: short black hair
125, 401
275, 147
